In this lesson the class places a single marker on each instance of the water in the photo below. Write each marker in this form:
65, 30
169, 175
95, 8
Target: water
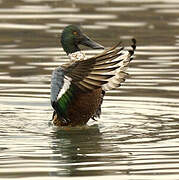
137, 135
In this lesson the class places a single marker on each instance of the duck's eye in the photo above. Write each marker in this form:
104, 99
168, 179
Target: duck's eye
75, 33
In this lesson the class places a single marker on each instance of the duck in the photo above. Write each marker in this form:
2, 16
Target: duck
78, 86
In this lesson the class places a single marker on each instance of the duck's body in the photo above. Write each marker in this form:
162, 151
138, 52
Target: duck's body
78, 87
82, 108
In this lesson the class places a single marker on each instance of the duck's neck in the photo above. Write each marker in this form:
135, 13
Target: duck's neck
69, 46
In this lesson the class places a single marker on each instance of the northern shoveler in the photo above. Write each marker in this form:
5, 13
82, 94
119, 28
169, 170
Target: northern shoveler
78, 87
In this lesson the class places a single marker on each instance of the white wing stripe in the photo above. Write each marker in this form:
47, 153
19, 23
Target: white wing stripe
66, 85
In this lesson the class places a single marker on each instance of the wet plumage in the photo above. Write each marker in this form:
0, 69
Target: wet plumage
78, 87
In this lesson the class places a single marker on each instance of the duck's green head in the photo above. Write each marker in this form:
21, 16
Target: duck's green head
72, 37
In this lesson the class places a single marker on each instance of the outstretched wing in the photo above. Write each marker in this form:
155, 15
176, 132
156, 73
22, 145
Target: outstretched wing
95, 72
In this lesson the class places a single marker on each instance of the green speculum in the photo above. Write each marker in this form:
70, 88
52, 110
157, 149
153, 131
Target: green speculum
65, 100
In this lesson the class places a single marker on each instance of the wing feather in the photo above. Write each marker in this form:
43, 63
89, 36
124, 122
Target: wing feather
100, 70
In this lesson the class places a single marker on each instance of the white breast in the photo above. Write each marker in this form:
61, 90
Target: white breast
77, 56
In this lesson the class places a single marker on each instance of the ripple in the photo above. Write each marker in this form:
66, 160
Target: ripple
136, 1
39, 9
161, 6
22, 26
165, 58
33, 51
118, 9
160, 47
6, 62
29, 90
22, 67
175, 11
94, 27
57, 16
124, 24
44, 64
174, 23
24, 85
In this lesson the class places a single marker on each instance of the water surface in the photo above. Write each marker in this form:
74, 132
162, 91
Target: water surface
137, 135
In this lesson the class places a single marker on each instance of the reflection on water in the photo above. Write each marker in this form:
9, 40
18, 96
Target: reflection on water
72, 150
138, 134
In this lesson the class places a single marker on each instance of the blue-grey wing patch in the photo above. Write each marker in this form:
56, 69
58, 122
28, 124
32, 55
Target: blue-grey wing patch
60, 83
57, 83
